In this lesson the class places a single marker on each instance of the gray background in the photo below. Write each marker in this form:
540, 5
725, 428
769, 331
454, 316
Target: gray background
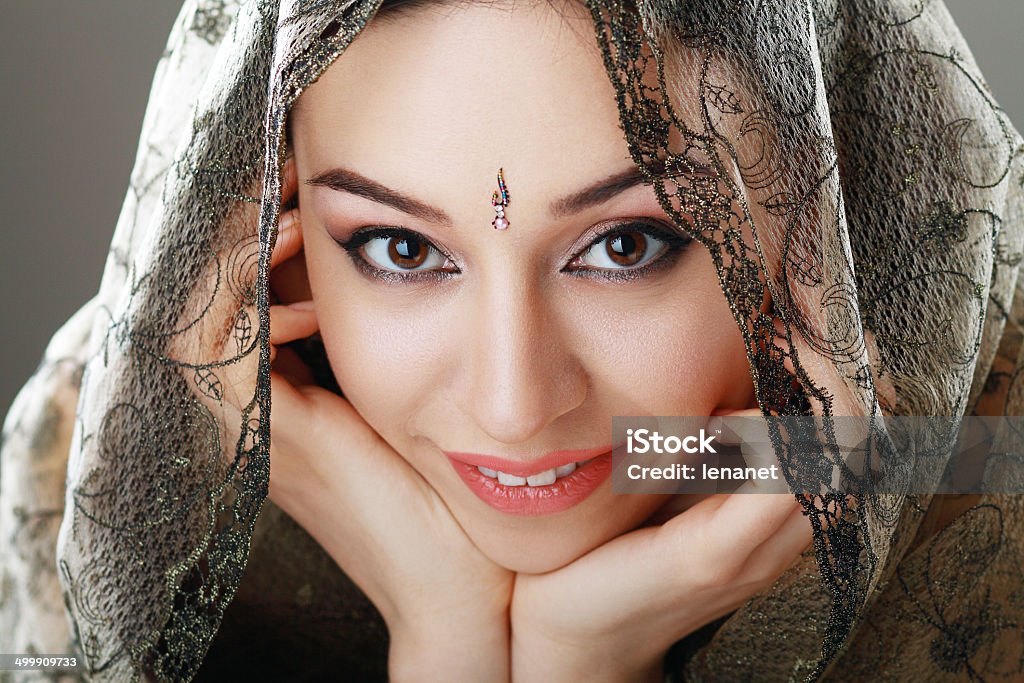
75, 78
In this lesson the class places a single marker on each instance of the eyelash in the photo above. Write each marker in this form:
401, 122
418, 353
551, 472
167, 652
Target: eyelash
674, 241
365, 235
674, 244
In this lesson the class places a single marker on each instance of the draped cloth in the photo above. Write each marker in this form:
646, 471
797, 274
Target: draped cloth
865, 180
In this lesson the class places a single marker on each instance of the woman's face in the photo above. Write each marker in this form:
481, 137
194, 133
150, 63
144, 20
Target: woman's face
466, 346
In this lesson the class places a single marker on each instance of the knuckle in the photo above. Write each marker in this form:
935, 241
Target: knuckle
727, 573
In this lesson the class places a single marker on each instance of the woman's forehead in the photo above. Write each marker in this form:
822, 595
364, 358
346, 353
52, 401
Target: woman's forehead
454, 96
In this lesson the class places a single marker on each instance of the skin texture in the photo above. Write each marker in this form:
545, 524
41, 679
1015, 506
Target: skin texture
511, 355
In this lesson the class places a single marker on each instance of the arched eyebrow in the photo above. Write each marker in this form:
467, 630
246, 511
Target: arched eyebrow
597, 193
345, 180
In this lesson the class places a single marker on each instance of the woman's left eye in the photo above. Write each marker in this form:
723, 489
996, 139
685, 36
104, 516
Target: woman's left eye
627, 247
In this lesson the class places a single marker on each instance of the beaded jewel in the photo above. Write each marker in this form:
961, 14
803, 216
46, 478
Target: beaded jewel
499, 200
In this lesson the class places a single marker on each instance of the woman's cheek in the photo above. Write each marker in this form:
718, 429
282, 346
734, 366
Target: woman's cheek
726, 358
683, 382
694, 359
383, 368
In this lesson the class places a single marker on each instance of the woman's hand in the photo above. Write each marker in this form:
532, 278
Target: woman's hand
613, 614
445, 604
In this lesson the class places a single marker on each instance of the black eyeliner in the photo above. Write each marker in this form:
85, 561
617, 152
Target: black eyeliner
675, 241
675, 244
361, 237
364, 235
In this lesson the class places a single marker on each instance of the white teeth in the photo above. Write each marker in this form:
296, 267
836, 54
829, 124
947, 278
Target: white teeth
541, 478
565, 469
545, 478
510, 479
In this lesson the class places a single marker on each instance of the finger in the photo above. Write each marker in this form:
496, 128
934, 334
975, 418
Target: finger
747, 519
744, 412
291, 322
675, 505
731, 525
289, 282
308, 414
783, 549
288, 403
287, 363
289, 238
701, 544
736, 432
289, 180
748, 429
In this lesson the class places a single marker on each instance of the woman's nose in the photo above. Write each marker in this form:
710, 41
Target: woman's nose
522, 371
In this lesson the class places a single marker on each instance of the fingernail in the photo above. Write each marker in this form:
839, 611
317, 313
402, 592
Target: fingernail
302, 305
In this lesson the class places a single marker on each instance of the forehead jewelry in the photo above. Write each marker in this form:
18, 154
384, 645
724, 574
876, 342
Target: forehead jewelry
499, 200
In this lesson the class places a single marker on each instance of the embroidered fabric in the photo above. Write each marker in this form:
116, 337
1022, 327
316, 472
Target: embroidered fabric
862, 175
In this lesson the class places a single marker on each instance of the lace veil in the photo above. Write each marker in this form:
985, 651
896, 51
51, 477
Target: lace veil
864, 178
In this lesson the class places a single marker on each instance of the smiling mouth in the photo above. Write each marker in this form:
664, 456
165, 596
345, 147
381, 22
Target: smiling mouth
545, 478
556, 482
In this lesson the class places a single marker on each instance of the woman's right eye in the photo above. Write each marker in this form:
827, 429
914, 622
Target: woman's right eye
402, 254
396, 251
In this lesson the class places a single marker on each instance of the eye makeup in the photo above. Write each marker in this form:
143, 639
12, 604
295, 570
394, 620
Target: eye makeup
622, 237
356, 247
625, 232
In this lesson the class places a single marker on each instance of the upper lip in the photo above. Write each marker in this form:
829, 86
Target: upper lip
526, 468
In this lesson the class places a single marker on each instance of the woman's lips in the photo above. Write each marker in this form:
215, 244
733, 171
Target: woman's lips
520, 468
551, 484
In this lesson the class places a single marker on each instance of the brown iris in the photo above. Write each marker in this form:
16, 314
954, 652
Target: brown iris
626, 249
406, 252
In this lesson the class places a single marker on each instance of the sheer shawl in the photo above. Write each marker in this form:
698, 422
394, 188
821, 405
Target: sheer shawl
865, 179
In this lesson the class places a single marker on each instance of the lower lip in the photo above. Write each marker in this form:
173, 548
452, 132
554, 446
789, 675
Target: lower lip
566, 492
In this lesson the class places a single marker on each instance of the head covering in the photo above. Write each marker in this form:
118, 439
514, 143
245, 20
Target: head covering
865, 180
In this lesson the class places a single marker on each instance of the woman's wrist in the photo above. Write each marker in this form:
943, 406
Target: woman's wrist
548, 648
537, 658
447, 647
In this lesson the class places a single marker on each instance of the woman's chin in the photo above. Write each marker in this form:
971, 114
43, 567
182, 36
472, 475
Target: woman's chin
534, 555
552, 542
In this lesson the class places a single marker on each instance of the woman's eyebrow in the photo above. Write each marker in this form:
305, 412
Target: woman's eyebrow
345, 180
598, 193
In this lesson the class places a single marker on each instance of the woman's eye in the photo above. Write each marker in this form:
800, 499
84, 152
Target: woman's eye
623, 249
400, 253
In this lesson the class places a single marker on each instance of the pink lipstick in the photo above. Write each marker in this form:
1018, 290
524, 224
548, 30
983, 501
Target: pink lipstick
555, 482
